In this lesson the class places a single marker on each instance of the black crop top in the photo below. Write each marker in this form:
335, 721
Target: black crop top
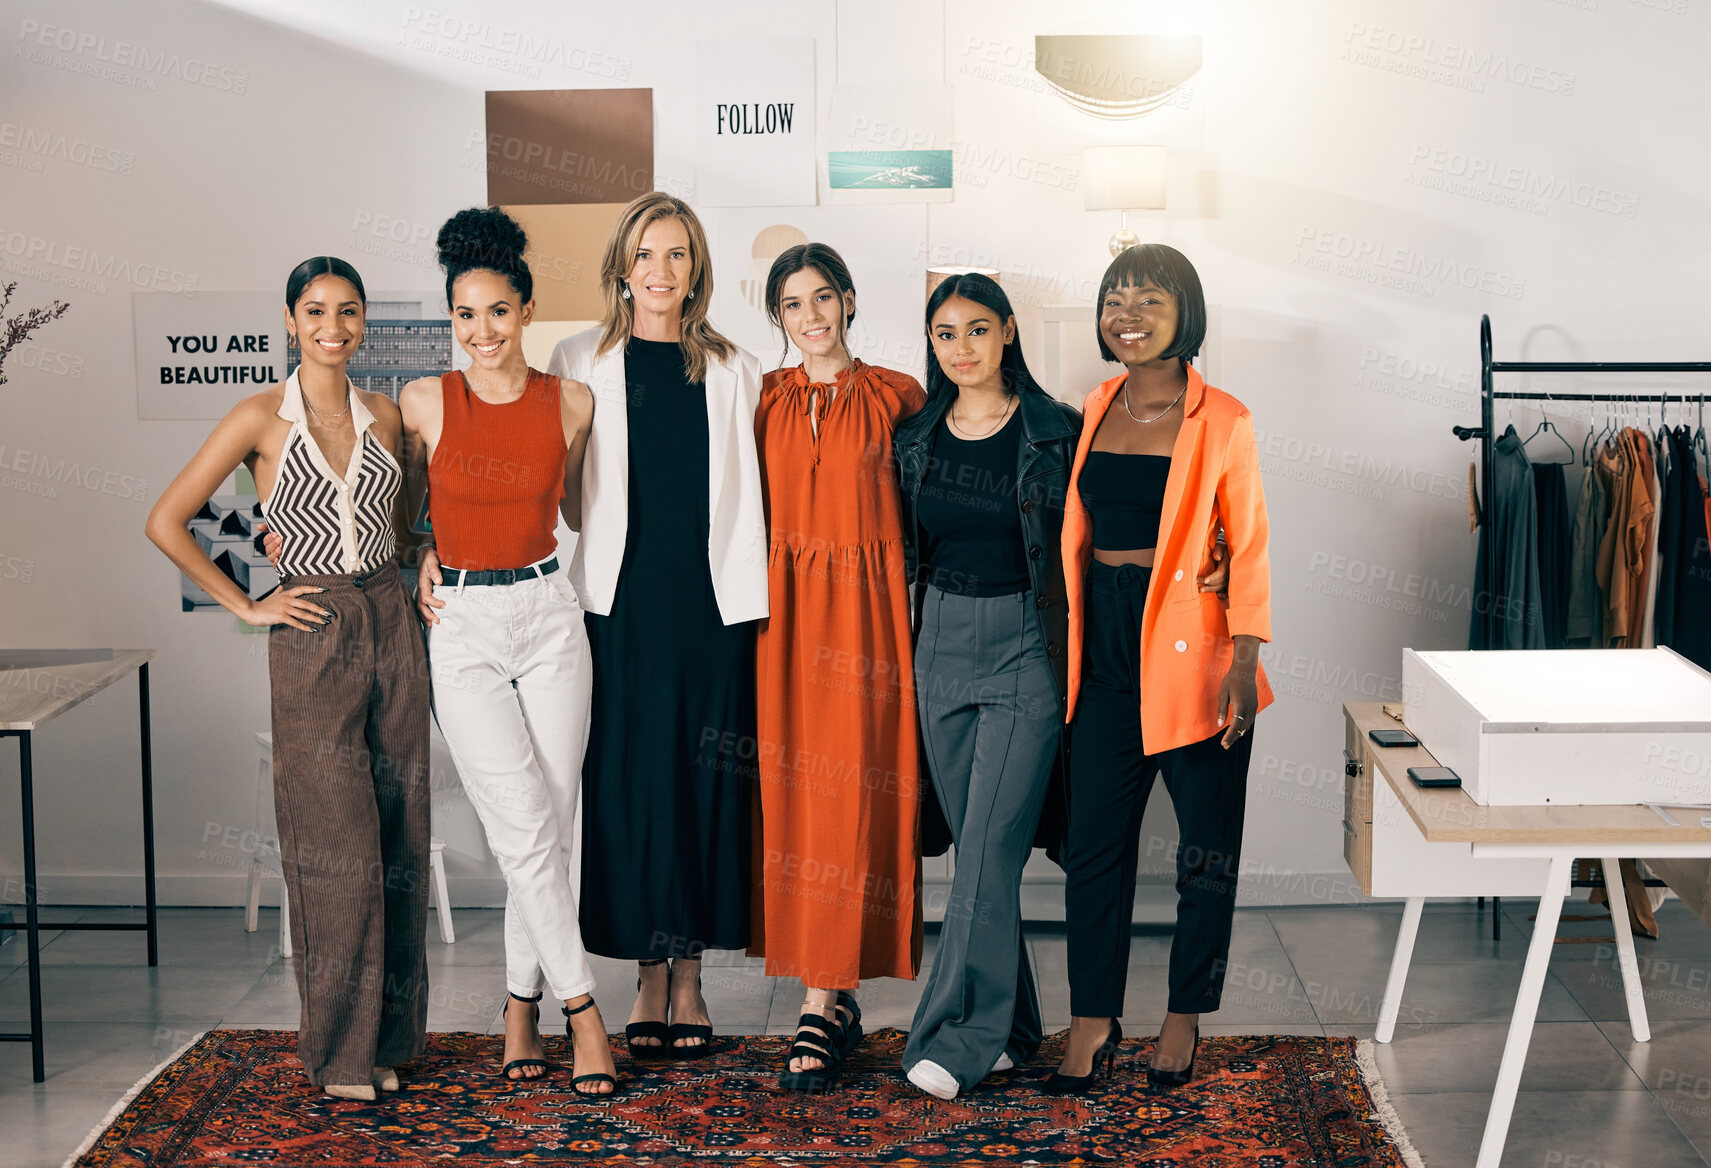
1124, 495
971, 530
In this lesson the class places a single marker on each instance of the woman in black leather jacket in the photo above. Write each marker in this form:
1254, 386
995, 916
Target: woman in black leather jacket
984, 467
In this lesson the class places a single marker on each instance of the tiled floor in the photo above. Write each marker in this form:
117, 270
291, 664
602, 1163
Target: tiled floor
1591, 1097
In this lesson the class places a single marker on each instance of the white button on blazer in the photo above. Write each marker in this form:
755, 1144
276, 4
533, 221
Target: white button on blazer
736, 543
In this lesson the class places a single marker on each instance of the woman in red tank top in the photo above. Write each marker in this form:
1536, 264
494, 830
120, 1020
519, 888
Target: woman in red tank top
502, 448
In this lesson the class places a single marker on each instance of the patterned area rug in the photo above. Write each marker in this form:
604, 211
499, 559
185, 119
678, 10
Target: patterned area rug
239, 1097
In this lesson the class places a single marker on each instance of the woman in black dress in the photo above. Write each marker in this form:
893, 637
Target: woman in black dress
671, 571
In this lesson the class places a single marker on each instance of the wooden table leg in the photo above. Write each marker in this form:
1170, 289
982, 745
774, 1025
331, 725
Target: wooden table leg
1392, 1003
1526, 1012
1632, 987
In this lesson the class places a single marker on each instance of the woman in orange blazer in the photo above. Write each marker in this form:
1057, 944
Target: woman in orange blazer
1164, 675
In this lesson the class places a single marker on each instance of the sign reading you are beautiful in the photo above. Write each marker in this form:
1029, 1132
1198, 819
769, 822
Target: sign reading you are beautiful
197, 357
754, 123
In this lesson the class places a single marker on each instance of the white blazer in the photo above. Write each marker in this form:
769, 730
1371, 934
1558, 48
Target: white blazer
736, 542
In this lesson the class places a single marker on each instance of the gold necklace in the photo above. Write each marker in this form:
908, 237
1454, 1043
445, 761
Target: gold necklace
328, 417
1002, 416
1155, 417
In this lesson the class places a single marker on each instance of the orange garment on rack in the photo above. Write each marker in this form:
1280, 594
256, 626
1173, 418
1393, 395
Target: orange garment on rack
1641, 533
837, 892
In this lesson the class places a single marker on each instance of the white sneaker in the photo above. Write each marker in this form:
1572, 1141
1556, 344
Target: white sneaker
933, 1079
1004, 1063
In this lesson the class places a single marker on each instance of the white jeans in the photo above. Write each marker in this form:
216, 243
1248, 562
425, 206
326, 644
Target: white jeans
512, 685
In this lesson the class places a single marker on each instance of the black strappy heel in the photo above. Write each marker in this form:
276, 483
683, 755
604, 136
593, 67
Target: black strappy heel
655, 1030
816, 1038
689, 1030
518, 1064
1060, 1084
576, 1080
1161, 1081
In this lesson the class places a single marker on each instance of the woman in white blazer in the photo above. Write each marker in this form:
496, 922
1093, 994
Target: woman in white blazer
671, 571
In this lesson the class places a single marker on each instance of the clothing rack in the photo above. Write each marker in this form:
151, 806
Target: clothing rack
1486, 430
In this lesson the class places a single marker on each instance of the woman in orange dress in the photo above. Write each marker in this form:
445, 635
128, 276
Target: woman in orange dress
838, 854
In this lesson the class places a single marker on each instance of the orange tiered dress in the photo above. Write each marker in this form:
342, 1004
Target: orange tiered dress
837, 844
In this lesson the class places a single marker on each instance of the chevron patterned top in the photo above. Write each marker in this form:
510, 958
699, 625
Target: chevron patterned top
332, 525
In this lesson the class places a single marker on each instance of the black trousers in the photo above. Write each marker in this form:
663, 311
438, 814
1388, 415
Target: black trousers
1110, 777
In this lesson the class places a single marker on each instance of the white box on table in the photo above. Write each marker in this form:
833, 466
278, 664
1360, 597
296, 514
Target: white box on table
1564, 725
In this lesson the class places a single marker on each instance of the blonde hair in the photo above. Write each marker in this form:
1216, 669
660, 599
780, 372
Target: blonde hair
702, 343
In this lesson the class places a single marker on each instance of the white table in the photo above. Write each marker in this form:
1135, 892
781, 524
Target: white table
1550, 838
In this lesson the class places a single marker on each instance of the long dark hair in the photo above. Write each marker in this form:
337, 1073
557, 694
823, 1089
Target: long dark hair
485, 239
818, 257
312, 269
984, 291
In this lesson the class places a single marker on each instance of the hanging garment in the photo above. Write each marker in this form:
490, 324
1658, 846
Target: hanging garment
1550, 494
1690, 628
1611, 467
1669, 536
1645, 520
1585, 601
1648, 626
1506, 613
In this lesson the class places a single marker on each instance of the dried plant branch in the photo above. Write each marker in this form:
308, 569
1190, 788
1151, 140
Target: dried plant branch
19, 328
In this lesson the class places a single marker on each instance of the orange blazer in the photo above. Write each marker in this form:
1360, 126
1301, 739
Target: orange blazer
1185, 635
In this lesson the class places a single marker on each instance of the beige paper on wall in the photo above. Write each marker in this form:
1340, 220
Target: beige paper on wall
565, 244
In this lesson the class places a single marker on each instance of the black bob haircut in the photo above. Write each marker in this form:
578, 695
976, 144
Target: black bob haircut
1162, 265
485, 239
312, 269
984, 291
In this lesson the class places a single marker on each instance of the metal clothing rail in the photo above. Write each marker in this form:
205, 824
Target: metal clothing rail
1485, 431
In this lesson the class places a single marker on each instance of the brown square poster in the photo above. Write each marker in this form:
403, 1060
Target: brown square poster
569, 145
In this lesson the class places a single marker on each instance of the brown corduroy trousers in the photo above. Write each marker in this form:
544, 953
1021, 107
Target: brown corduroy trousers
351, 790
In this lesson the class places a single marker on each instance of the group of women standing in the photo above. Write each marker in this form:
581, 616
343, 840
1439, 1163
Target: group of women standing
671, 754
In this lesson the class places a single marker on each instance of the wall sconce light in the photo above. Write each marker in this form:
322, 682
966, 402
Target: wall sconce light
1123, 178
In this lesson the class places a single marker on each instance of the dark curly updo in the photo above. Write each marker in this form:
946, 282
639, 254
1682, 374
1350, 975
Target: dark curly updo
485, 239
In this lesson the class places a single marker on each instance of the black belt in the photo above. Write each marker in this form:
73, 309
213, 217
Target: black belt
498, 575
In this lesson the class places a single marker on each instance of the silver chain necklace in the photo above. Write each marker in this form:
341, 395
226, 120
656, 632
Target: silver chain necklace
1155, 417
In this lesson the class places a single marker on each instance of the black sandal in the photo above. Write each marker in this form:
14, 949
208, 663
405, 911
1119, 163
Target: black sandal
851, 1030
816, 1038
518, 1064
598, 1077
690, 1030
656, 1030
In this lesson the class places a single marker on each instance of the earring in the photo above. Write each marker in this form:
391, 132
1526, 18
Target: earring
692, 296
624, 291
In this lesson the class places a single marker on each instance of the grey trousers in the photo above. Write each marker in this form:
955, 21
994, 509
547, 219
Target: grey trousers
990, 720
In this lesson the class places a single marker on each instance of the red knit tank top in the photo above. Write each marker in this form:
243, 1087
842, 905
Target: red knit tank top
497, 476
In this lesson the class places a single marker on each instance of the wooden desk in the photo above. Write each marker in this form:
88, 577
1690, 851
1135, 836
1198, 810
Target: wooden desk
1556, 835
37, 686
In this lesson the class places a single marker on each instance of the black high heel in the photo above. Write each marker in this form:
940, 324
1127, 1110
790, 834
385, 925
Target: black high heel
1103, 1060
655, 1030
1160, 1081
597, 1077
518, 1064
690, 1030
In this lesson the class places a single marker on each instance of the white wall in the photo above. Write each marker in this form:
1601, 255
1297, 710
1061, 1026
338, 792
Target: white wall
1315, 129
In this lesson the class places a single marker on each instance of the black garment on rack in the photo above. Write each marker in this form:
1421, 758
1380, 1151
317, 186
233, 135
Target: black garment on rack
1690, 633
1506, 590
1550, 493
1668, 460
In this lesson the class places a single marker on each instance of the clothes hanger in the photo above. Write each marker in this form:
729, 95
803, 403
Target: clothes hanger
1586, 442
1545, 425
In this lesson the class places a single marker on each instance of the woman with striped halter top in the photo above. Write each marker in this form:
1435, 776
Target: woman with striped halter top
349, 684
